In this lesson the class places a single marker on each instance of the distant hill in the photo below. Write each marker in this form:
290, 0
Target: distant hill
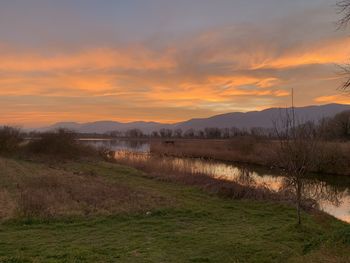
107, 126
264, 118
240, 120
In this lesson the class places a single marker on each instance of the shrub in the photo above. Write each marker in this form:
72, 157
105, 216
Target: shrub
10, 139
61, 143
331, 158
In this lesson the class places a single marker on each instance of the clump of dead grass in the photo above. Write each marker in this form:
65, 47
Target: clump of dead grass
7, 205
34, 190
57, 195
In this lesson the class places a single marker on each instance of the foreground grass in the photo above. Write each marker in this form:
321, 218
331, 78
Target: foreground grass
182, 224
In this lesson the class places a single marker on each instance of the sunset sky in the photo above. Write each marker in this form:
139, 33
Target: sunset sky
165, 60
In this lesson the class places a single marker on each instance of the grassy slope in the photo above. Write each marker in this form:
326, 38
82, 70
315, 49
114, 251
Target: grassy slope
191, 227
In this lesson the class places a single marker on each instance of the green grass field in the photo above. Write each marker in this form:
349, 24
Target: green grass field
168, 223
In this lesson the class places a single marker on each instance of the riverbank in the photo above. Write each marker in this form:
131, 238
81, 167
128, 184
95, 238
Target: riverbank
125, 215
333, 157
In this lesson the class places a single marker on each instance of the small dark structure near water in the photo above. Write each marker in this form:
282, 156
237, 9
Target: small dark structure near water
169, 142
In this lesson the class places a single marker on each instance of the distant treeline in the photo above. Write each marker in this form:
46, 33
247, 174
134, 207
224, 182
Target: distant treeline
335, 128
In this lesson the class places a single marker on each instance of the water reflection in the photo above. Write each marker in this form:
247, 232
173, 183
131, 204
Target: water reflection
120, 145
245, 177
331, 193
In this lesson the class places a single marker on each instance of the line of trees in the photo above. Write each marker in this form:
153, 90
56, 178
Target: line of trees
334, 128
207, 133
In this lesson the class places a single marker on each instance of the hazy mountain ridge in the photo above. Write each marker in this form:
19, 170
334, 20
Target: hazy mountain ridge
107, 126
264, 118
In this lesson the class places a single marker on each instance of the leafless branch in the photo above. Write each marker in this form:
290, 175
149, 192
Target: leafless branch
345, 72
343, 8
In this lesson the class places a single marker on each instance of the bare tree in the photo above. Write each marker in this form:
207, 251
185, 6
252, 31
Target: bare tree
335, 128
345, 72
343, 8
134, 133
178, 133
296, 154
165, 133
322, 191
190, 133
155, 134
212, 133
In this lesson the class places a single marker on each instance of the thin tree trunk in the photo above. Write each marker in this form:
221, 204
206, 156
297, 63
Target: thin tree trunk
299, 201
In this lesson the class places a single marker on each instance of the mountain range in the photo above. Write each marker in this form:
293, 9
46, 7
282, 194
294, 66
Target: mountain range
264, 119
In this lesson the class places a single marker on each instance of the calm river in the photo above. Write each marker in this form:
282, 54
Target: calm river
331, 192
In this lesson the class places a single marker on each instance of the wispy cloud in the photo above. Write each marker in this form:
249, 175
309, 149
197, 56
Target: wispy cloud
226, 67
339, 98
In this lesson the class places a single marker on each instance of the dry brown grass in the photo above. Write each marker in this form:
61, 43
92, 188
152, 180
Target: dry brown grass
333, 253
7, 205
59, 195
333, 157
37, 191
244, 149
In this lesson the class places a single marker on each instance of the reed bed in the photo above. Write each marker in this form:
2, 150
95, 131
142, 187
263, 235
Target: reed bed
332, 157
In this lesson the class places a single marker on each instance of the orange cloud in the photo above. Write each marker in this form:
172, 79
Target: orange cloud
268, 82
133, 57
344, 99
326, 52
